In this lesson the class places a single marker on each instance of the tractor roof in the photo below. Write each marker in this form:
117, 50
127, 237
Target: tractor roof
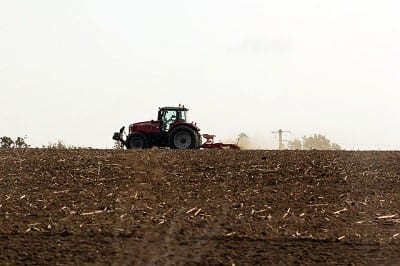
182, 108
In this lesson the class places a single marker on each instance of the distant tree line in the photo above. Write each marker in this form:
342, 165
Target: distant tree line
19, 142
7, 142
60, 145
315, 142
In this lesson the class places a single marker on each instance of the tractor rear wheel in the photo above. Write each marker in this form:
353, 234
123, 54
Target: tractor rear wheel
183, 137
137, 141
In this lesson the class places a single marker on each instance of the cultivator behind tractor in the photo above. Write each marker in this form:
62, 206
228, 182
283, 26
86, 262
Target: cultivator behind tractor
210, 144
171, 129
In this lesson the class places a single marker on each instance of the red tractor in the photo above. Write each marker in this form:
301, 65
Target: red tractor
171, 129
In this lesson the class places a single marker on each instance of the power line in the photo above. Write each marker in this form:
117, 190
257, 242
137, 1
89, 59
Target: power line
280, 133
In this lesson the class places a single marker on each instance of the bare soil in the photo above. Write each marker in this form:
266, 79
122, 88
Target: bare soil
221, 207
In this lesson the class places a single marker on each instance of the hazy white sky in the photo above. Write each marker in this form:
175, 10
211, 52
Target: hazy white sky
79, 70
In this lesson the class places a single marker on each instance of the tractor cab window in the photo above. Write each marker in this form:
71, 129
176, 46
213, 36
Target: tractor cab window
182, 116
168, 117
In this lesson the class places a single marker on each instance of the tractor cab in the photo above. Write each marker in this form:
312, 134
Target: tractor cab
170, 115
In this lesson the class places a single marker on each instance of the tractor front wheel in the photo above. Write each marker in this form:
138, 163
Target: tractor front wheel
137, 141
183, 137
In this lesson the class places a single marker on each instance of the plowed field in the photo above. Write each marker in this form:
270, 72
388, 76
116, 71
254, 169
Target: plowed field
199, 207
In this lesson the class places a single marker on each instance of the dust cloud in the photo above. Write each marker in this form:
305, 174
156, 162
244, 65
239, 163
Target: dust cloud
253, 142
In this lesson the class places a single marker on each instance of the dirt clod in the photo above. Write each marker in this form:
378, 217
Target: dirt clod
199, 207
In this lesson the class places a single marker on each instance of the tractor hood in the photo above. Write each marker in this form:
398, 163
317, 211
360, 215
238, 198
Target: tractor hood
138, 124
146, 126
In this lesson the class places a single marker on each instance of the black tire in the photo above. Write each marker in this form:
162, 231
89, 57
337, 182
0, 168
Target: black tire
137, 141
182, 138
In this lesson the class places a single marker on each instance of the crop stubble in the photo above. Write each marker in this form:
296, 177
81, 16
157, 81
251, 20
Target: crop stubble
199, 207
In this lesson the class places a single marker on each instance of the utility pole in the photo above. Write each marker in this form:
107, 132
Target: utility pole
280, 133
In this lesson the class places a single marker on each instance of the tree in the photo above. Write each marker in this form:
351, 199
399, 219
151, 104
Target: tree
20, 143
295, 144
335, 147
59, 144
317, 142
243, 141
6, 142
